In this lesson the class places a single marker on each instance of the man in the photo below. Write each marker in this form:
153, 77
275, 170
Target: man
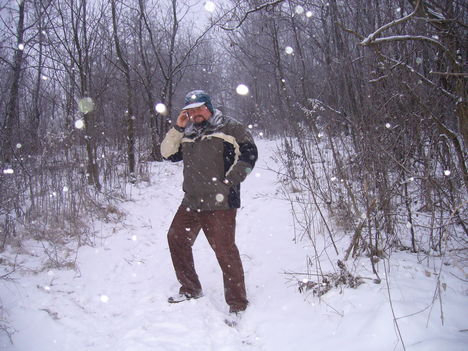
218, 154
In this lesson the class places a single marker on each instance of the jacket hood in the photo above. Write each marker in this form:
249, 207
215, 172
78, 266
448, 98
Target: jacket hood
216, 121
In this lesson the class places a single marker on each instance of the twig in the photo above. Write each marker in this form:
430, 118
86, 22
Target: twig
258, 8
395, 321
457, 74
5, 276
463, 280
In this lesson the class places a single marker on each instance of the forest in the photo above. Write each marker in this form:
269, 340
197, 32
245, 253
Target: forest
367, 100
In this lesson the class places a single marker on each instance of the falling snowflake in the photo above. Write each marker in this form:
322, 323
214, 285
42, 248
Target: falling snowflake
79, 124
65, 189
447, 172
210, 6
21, 46
219, 197
104, 298
8, 171
86, 105
134, 238
289, 50
388, 125
19, 146
309, 14
299, 10
161, 108
242, 89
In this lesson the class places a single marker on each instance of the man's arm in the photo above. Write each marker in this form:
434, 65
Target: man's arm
170, 146
247, 156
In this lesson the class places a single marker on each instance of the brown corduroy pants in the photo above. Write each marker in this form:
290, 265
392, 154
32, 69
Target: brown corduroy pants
219, 227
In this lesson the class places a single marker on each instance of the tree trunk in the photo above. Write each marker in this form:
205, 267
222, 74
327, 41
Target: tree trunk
130, 115
12, 110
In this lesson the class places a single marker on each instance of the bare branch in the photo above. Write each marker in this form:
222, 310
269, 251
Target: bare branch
414, 37
371, 37
456, 74
258, 8
421, 76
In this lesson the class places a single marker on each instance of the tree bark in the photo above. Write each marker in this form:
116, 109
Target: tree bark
12, 111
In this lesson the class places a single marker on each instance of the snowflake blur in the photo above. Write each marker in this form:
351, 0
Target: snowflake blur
86, 105
289, 50
161, 108
242, 89
299, 10
210, 6
79, 124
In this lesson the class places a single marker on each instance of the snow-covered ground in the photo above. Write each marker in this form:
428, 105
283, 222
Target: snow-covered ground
116, 298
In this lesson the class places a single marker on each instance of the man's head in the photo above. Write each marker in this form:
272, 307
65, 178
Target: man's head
198, 106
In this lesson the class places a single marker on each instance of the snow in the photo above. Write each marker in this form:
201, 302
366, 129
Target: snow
210, 6
116, 296
242, 89
161, 108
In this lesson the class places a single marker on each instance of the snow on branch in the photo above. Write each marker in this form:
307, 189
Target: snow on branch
371, 37
410, 37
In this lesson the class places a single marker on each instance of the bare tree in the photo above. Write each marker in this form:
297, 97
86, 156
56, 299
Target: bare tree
125, 68
12, 109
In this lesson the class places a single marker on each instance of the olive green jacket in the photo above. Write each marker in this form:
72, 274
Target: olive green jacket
218, 155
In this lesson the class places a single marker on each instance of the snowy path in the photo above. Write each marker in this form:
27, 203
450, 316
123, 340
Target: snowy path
117, 299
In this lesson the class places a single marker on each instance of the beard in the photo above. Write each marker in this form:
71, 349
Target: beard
198, 119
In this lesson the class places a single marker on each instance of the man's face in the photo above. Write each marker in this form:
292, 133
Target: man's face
199, 114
